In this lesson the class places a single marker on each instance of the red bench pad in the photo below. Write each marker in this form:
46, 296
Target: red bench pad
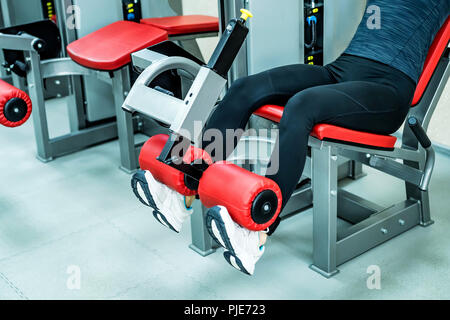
110, 48
184, 24
7, 94
330, 132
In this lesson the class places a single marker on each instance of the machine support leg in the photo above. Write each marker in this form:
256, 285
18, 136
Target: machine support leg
413, 192
192, 47
202, 243
128, 155
40, 123
76, 105
356, 170
325, 163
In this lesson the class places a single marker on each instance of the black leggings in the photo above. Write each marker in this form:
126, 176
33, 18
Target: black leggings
353, 92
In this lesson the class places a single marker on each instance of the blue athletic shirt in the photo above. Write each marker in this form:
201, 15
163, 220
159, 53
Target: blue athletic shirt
399, 33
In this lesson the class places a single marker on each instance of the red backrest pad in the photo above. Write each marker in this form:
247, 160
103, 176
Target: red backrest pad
438, 47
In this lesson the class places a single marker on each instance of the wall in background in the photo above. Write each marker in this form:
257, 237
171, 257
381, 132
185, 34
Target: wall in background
207, 7
439, 129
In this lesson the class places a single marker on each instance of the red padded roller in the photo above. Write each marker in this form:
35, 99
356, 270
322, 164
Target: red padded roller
165, 174
15, 106
253, 201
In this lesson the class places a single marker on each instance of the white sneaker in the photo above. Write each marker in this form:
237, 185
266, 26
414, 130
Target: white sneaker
169, 207
242, 245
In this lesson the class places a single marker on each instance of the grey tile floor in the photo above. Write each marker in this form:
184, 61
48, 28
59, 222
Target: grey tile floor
79, 211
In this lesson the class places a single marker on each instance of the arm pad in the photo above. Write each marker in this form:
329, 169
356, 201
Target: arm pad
15, 106
163, 173
253, 201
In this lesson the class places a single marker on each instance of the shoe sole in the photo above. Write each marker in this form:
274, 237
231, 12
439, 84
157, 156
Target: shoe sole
139, 180
235, 262
213, 215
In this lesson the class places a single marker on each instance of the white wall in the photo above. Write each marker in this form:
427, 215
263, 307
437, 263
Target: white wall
439, 130
206, 7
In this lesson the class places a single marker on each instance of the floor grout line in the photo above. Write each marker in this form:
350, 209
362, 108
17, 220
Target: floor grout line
49, 242
12, 286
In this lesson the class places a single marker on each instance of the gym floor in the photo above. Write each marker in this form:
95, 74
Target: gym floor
79, 211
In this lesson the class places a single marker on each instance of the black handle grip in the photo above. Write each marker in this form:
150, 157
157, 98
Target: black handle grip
419, 132
20, 68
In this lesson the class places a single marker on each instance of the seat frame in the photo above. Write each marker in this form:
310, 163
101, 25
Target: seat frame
372, 225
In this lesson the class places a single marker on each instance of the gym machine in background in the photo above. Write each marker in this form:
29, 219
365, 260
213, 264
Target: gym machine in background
91, 105
95, 100
314, 32
20, 12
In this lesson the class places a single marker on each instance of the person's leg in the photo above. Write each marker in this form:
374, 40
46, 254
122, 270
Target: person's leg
357, 105
364, 106
246, 95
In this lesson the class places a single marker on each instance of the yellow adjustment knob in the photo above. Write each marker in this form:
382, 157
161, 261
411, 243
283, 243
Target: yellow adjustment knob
246, 14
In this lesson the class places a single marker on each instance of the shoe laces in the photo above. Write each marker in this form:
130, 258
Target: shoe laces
248, 236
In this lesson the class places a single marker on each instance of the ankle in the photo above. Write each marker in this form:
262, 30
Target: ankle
188, 201
262, 239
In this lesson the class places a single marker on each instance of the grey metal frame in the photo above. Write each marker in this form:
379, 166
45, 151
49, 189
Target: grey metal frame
372, 225
143, 97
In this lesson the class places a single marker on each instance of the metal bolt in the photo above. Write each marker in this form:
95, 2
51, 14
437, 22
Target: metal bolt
334, 158
384, 231
401, 222
334, 193
57, 82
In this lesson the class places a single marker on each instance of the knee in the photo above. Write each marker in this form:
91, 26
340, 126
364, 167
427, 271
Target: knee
243, 84
300, 109
244, 90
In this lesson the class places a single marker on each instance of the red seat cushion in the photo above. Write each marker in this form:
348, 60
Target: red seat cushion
110, 48
434, 55
330, 132
185, 24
